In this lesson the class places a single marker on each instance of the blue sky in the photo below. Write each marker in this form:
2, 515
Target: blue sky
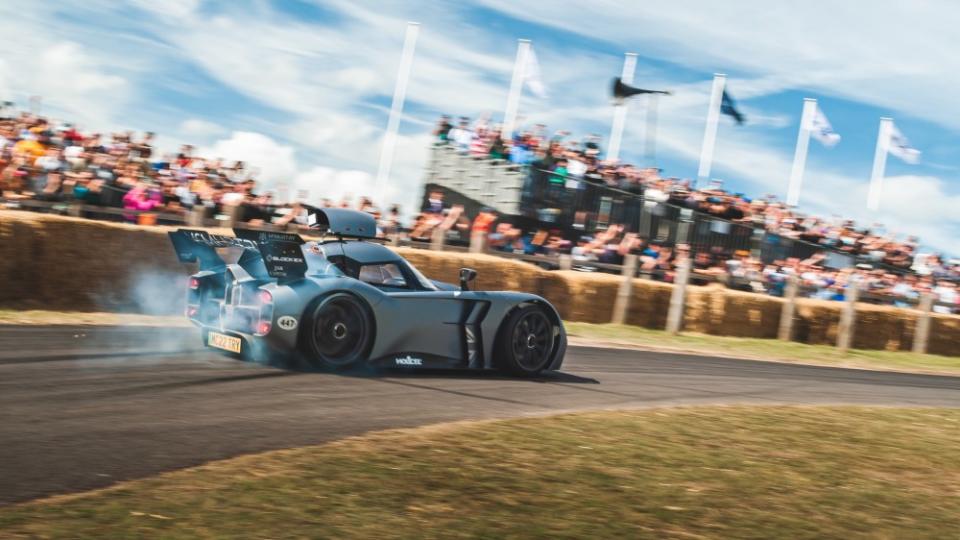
301, 88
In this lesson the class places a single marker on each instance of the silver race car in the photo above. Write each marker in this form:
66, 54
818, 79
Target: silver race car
346, 301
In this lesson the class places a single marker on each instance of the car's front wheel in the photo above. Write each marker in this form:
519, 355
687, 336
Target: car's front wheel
526, 341
340, 332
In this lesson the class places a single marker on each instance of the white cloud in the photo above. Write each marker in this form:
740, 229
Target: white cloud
894, 55
334, 184
197, 127
329, 81
274, 162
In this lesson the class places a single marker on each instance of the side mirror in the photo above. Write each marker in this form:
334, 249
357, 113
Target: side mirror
466, 276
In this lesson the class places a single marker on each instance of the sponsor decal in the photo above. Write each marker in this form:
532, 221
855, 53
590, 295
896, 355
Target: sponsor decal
287, 322
219, 240
284, 259
408, 361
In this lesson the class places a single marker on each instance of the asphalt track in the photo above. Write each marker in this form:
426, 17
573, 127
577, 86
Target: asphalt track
82, 408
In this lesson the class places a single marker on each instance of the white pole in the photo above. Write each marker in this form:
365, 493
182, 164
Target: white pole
879, 164
396, 107
710, 133
620, 111
800, 156
650, 133
516, 88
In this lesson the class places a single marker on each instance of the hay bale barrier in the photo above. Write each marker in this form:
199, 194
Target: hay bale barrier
70, 264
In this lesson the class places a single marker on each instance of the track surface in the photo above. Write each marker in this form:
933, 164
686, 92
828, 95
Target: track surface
82, 408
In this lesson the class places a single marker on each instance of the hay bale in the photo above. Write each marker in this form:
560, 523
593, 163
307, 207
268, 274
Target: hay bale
944, 335
747, 314
817, 321
649, 304
884, 328
64, 263
582, 296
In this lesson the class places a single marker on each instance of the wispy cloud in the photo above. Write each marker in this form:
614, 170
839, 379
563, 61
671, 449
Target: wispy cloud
304, 98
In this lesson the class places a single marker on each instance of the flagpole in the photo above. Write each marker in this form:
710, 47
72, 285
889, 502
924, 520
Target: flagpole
516, 87
879, 164
800, 155
650, 135
396, 107
620, 110
710, 132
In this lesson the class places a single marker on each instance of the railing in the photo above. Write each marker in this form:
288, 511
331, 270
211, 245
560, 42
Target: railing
580, 205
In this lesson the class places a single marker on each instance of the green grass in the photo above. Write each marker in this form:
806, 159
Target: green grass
763, 349
717, 472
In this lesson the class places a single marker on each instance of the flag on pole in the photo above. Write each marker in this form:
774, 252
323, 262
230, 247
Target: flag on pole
531, 75
821, 130
899, 146
729, 108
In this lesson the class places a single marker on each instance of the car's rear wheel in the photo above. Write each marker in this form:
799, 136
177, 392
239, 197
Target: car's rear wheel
340, 332
526, 341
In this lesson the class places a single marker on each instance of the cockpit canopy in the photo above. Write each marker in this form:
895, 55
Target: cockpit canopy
371, 263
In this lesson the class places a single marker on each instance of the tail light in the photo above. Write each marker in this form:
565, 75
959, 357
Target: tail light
265, 319
193, 298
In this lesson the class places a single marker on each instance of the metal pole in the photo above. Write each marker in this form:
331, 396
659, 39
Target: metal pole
921, 336
710, 131
785, 332
516, 88
622, 302
848, 315
437, 238
879, 164
675, 313
396, 107
650, 137
478, 240
800, 155
620, 111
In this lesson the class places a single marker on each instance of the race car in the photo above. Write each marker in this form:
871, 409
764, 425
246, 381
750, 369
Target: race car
347, 300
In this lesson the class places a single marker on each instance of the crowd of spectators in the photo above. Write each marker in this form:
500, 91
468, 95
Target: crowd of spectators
886, 265
56, 162
45, 160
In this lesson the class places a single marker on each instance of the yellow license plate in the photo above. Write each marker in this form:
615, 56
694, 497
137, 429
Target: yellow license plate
225, 342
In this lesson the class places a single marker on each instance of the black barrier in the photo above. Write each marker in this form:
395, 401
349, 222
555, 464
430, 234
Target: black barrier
584, 205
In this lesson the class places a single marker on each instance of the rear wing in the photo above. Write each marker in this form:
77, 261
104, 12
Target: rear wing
277, 254
281, 252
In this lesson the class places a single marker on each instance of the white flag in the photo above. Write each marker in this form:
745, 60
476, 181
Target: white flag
899, 146
821, 130
531, 75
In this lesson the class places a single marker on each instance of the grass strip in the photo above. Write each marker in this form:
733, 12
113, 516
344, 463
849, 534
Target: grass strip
761, 349
730, 472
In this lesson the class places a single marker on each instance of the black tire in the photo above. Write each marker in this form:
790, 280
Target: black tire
340, 332
526, 341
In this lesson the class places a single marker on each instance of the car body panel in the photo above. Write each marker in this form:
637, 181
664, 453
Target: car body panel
421, 324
